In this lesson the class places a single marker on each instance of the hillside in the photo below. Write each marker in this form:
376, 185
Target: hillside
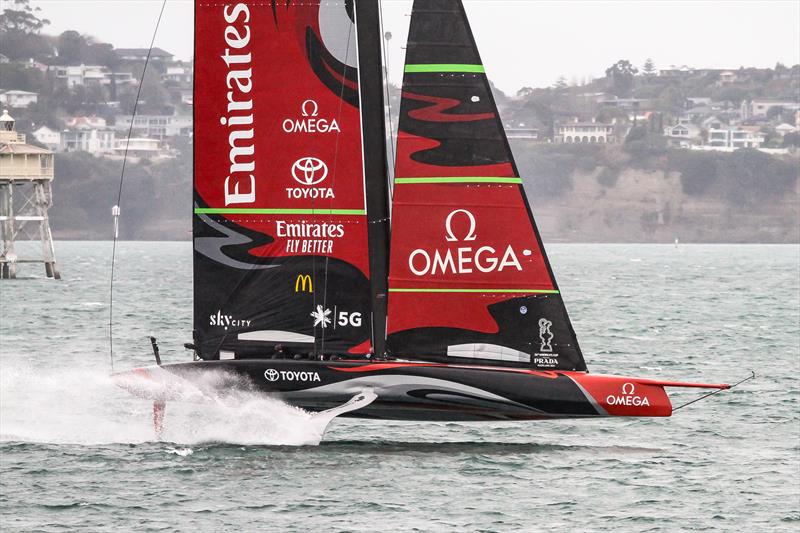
643, 179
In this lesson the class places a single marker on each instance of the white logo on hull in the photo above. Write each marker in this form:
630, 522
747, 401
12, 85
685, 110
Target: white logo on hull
290, 375
628, 398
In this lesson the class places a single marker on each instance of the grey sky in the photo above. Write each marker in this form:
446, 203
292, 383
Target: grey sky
522, 42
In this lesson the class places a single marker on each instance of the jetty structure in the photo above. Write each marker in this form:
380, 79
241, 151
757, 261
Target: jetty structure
26, 177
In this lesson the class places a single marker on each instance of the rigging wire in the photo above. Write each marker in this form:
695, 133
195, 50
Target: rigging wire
392, 147
115, 211
335, 164
704, 396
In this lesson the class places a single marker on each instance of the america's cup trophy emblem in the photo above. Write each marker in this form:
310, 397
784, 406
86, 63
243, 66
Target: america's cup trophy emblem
545, 335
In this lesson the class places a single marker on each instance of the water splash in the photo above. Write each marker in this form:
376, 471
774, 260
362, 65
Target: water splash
85, 406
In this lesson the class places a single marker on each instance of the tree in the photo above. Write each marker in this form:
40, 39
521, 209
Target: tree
561, 83
791, 139
524, 92
71, 48
23, 19
649, 67
774, 111
19, 32
621, 74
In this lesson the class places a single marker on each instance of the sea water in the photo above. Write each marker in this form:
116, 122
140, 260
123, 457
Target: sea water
76, 452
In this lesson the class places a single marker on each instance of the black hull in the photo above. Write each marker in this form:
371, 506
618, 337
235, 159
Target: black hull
406, 390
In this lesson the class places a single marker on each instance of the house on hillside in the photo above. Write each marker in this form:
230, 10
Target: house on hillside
49, 137
784, 128
713, 123
626, 103
760, 107
88, 134
585, 132
36, 65
139, 147
673, 71
727, 76
140, 54
522, 131
156, 126
180, 74
695, 101
91, 75
683, 134
735, 137
18, 99
699, 113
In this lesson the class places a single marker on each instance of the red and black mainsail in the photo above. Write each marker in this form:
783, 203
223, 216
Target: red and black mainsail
280, 215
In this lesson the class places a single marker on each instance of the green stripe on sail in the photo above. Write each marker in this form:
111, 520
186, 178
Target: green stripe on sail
467, 179
524, 291
275, 211
446, 67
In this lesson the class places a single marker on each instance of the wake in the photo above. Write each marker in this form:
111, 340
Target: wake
84, 406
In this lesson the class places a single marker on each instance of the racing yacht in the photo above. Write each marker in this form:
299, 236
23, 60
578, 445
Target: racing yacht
320, 281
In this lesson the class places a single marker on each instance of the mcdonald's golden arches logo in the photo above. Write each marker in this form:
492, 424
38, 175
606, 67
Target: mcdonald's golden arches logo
303, 283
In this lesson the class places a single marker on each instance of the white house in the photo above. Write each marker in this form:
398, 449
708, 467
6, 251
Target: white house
156, 126
783, 129
18, 98
88, 134
585, 132
49, 137
735, 137
141, 54
91, 75
683, 134
760, 108
138, 147
182, 74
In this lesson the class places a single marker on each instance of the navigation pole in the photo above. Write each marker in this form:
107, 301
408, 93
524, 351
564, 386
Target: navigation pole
367, 19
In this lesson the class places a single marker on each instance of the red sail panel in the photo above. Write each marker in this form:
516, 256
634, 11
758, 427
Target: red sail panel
280, 216
469, 279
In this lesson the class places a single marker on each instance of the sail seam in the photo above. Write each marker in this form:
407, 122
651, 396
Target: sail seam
275, 211
525, 291
460, 179
445, 67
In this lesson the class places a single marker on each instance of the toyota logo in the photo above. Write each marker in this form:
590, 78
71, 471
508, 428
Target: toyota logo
271, 374
309, 171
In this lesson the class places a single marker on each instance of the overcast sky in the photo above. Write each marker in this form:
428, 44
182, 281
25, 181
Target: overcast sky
522, 42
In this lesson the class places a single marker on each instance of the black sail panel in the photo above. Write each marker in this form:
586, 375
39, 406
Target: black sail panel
469, 278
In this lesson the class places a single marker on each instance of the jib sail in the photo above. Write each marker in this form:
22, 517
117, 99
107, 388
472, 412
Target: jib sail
280, 233
469, 279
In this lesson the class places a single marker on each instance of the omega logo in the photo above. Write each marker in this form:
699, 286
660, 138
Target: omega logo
448, 226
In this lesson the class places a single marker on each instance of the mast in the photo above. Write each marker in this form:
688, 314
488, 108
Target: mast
375, 163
